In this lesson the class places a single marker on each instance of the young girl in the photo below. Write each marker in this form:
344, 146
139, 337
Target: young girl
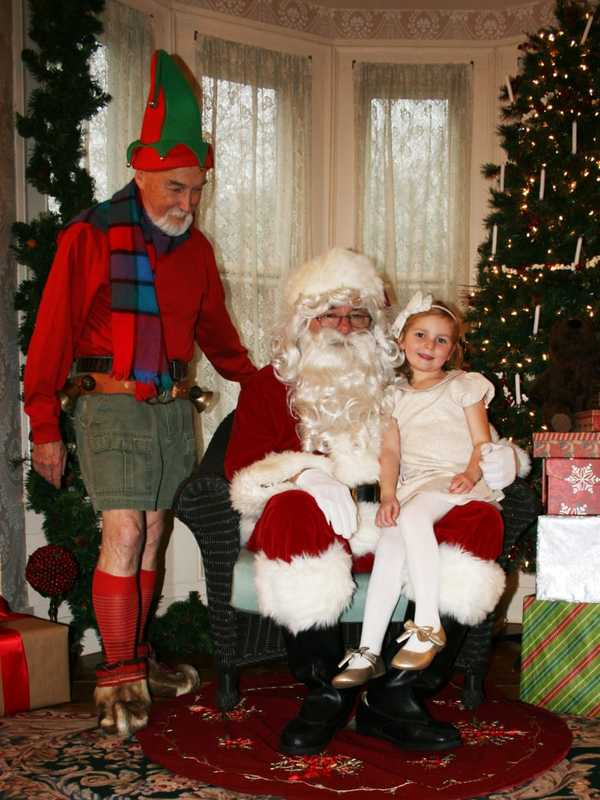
429, 461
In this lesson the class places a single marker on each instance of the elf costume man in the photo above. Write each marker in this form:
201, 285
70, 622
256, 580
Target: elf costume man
133, 285
303, 460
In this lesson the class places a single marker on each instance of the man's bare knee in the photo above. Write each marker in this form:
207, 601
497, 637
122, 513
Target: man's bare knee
122, 541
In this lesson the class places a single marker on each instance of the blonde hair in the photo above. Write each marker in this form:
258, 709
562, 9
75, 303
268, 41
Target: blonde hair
439, 308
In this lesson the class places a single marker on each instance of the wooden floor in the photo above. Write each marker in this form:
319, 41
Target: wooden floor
503, 673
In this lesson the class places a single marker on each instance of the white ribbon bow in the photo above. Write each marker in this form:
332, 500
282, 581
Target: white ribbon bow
417, 304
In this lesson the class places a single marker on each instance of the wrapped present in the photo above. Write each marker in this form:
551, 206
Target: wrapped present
568, 559
34, 662
571, 486
560, 656
588, 420
575, 444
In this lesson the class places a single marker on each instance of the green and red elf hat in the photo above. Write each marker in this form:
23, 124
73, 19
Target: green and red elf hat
171, 134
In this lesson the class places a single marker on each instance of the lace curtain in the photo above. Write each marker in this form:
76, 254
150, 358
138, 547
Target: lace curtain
413, 131
122, 66
257, 112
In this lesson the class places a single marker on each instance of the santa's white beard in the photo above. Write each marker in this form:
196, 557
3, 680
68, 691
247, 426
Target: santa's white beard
339, 389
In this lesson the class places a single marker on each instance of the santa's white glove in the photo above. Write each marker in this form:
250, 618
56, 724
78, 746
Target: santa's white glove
333, 498
498, 465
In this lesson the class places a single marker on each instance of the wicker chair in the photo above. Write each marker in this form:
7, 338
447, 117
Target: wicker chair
241, 638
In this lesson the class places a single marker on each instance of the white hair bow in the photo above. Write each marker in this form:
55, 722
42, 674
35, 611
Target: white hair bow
417, 304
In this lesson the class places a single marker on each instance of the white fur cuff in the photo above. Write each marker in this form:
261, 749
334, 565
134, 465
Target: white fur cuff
252, 486
470, 587
308, 591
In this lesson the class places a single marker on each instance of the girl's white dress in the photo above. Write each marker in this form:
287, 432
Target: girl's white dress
435, 443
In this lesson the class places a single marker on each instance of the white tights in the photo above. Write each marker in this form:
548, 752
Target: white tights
413, 541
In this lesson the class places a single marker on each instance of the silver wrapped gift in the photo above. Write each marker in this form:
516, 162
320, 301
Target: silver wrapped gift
568, 559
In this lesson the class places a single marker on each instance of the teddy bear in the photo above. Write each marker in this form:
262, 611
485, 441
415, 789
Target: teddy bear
573, 373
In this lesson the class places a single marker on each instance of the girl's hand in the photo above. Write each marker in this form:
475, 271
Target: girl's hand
387, 513
461, 484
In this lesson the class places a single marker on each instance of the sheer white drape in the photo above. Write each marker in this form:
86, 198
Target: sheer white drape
257, 112
413, 134
122, 66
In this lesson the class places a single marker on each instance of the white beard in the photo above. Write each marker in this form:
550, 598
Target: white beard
174, 222
340, 389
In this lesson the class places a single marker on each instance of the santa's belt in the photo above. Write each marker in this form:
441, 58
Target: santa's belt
365, 493
177, 369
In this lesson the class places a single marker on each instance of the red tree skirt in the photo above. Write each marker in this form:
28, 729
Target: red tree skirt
504, 744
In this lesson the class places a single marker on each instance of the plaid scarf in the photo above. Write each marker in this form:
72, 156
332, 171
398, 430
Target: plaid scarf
134, 245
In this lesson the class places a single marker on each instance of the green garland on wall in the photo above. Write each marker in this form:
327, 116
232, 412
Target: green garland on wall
66, 96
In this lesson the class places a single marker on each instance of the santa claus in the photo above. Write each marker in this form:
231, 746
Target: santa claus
303, 461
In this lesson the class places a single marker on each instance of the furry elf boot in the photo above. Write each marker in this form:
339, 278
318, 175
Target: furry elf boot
122, 698
164, 681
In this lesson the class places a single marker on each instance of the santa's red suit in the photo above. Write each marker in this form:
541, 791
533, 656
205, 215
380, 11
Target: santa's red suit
303, 570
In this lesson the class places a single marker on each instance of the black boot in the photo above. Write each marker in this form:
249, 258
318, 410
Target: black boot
441, 669
313, 658
391, 710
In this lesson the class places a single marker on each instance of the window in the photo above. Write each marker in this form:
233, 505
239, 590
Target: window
413, 130
122, 67
256, 110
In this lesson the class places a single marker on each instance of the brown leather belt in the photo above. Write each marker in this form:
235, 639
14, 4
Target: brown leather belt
101, 383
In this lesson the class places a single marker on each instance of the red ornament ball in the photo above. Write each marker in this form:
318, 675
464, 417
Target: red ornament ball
51, 570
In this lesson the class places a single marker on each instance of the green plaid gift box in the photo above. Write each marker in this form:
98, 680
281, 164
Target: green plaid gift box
560, 656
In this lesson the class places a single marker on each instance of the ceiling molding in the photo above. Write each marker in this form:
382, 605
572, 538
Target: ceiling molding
366, 22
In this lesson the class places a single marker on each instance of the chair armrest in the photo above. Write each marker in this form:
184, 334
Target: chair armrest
520, 509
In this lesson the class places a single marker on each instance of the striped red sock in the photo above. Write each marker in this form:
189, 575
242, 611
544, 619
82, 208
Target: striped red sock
117, 606
147, 582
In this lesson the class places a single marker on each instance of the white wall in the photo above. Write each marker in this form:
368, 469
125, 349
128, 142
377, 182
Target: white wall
333, 199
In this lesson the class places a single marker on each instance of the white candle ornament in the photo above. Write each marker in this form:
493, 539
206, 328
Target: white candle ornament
494, 239
509, 90
518, 389
574, 138
578, 250
586, 30
502, 172
542, 182
536, 319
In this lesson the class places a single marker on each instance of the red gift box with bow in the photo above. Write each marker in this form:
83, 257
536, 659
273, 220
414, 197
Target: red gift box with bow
34, 662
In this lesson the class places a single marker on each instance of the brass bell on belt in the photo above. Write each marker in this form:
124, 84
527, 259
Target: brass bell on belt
68, 396
201, 399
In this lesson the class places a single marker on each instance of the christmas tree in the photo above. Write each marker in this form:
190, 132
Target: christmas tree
541, 258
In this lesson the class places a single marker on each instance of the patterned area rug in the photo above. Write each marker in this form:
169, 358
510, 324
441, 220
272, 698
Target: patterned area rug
53, 754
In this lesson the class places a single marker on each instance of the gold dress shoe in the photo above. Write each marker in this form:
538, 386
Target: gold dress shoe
410, 659
356, 676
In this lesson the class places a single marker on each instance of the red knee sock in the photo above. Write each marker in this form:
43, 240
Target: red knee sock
117, 606
147, 582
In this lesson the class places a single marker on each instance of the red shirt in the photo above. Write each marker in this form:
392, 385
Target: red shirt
74, 318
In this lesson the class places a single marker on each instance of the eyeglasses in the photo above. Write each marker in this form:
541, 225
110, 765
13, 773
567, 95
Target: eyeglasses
358, 321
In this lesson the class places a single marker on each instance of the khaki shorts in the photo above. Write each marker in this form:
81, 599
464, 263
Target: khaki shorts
132, 454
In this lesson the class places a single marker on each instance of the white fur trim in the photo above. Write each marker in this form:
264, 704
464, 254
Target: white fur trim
366, 537
354, 466
252, 486
522, 457
308, 591
470, 587
334, 271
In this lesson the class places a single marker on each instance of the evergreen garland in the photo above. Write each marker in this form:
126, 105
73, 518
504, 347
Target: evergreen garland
66, 96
